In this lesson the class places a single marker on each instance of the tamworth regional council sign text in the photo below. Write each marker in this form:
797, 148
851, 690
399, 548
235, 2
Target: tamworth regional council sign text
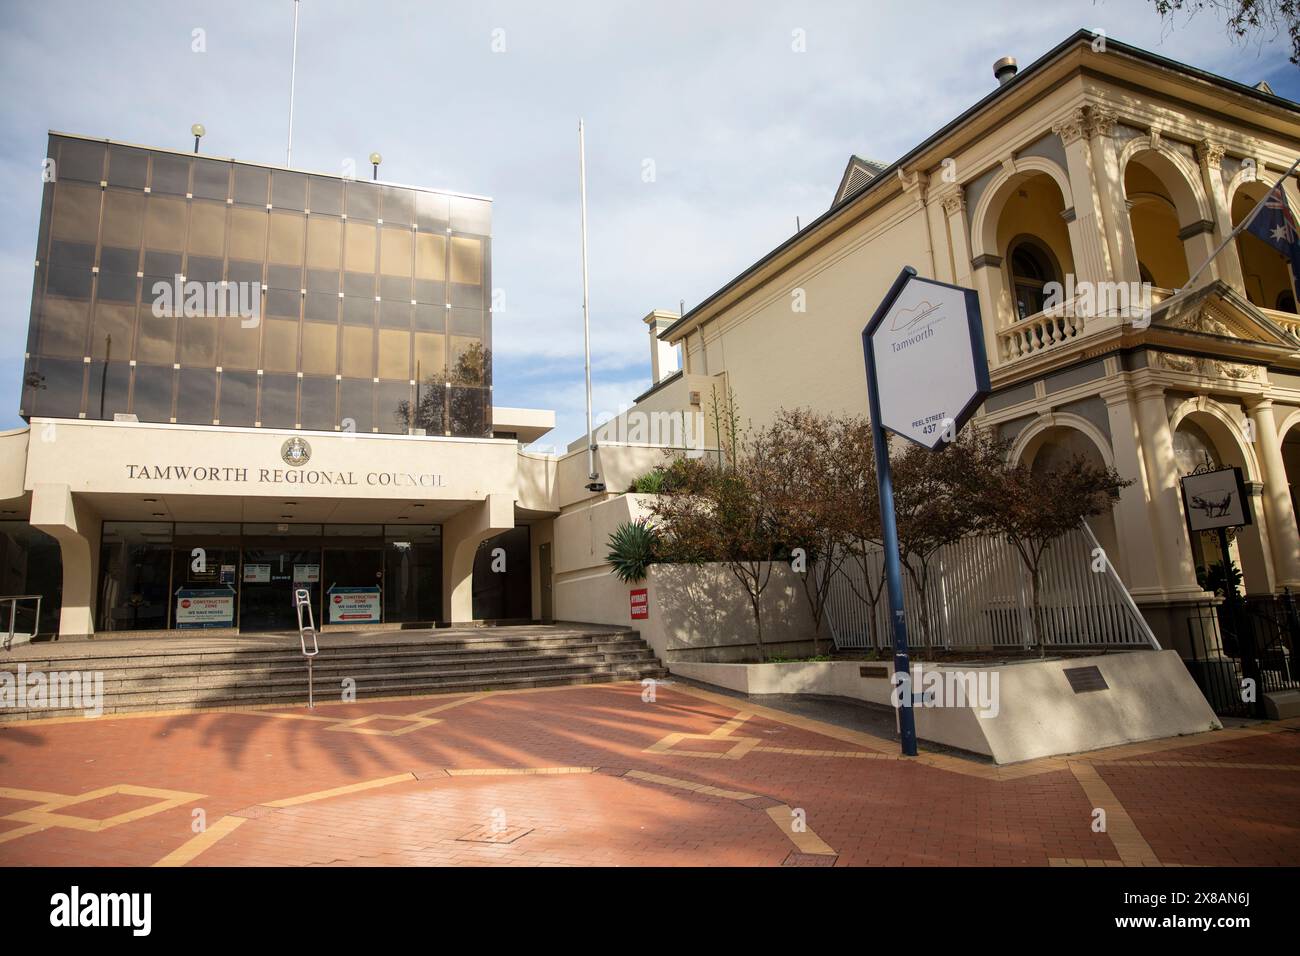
291, 476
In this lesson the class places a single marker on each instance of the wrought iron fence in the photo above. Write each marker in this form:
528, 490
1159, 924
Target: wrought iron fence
978, 595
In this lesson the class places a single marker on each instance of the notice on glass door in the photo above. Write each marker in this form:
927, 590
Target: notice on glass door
353, 605
257, 573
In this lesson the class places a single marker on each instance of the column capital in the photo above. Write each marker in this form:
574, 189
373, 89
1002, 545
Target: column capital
1210, 154
954, 203
1073, 127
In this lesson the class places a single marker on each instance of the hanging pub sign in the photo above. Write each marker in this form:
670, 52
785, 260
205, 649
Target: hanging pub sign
1216, 499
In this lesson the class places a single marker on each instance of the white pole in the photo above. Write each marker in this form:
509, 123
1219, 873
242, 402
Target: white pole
586, 321
293, 73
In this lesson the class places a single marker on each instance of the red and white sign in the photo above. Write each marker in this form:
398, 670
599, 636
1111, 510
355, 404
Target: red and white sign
640, 603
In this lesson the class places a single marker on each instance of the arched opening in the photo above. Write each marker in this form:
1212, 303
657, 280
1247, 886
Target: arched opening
1155, 217
1266, 272
1057, 447
1033, 240
1291, 461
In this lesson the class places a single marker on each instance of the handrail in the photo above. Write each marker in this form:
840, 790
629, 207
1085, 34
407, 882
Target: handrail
301, 603
13, 600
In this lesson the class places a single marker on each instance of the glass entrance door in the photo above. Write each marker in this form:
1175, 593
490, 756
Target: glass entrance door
268, 579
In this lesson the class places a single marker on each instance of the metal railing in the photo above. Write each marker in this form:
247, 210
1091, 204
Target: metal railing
979, 595
302, 604
12, 600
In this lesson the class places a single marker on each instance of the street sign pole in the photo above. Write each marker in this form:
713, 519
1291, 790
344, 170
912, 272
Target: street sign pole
889, 532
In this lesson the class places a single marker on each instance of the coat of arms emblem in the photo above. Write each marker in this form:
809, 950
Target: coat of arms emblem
295, 452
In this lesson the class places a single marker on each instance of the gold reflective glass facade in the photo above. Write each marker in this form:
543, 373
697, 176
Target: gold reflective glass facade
305, 301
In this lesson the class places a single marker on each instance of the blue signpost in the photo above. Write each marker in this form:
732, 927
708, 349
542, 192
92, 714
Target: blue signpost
934, 378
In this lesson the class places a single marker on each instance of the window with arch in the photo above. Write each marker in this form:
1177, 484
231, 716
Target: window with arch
1032, 267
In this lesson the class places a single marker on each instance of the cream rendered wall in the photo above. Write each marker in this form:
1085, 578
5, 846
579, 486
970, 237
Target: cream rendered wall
13, 463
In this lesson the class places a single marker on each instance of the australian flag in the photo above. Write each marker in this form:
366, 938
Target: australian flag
1276, 225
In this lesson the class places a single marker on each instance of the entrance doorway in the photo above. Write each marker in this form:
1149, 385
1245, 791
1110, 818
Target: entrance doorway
269, 576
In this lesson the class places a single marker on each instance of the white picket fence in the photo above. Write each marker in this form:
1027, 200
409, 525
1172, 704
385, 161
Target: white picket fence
978, 595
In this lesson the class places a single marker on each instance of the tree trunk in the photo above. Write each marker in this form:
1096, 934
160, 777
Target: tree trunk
1035, 612
758, 630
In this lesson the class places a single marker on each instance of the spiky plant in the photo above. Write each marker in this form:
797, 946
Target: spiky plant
632, 550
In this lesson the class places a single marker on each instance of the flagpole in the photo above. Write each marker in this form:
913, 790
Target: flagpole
592, 474
293, 75
1240, 226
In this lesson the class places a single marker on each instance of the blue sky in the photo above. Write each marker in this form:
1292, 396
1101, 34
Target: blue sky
744, 133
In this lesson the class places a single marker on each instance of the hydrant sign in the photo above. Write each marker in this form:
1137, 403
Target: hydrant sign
640, 603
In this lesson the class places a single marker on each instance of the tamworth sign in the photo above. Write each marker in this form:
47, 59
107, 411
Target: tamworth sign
926, 375
288, 476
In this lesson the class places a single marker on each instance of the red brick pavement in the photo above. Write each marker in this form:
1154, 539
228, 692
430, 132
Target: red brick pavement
870, 809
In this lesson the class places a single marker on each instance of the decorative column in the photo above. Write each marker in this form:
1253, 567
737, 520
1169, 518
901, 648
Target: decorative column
1227, 266
1277, 512
1253, 547
1111, 200
1174, 550
1088, 227
1138, 564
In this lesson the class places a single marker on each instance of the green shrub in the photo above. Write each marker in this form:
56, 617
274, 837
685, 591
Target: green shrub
632, 550
651, 483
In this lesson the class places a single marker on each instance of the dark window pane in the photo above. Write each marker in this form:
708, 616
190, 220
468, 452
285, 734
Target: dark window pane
358, 311
323, 280
326, 196
396, 288
283, 302
284, 277
73, 283
127, 167
116, 287
288, 190
322, 307
466, 322
162, 263
123, 261
468, 411
355, 396
466, 296
80, 160
152, 399
251, 184
108, 392
395, 315
211, 179
394, 400
238, 271
430, 402
72, 255
238, 398
318, 402
359, 284
55, 388
196, 393
63, 324
135, 575
362, 200
431, 318
430, 290
203, 269
279, 401
171, 175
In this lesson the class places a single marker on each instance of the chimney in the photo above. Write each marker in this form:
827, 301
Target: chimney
663, 357
1005, 70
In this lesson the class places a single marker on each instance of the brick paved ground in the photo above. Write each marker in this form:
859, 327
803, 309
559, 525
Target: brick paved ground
595, 775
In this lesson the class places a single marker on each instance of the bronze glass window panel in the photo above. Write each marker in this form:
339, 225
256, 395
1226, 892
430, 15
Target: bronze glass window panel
395, 289
279, 408
123, 218
397, 205
238, 398
358, 311
155, 339
239, 345
324, 242
63, 327
471, 215
79, 159
430, 257
121, 261
166, 265
395, 314
434, 293
362, 200
207, 229
280, 346
76, 212
465, 322
319, 348
323, 280
318, 398
72, 283
356, 397
466, 260
248, 234
117, 321
466, 361
288, 238
321, 307
72, 255
394, 354
288, 190
164, 223
128, 167
396, 245
282, 303
393, 401
196, 396
325, 196
116, 287
108, 389
171, 175
151, 398
198, 341
467, 411
211, 179
360, 284
356, 356
466, 296
203, 269
430, 358
430, 408
252, 186
284, 277
432, 211
240, 271
430, 318
56, 386
359, 247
